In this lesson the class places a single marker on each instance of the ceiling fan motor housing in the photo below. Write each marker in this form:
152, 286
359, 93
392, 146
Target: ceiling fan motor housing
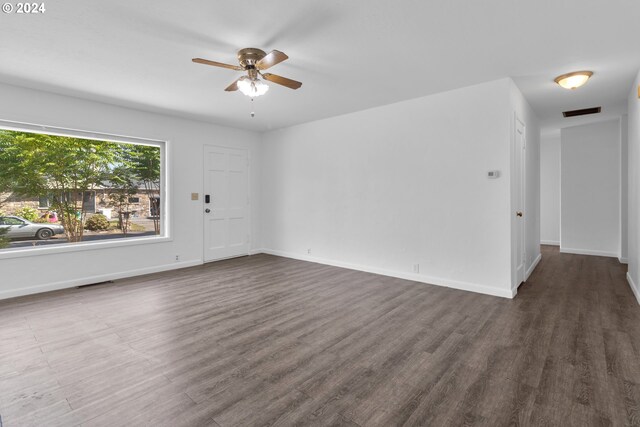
249, 56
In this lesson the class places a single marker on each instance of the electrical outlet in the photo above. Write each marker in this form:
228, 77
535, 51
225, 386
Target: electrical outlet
309, 251
416, 268
177, 257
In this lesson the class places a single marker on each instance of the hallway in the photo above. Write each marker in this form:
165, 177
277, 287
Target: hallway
583, 340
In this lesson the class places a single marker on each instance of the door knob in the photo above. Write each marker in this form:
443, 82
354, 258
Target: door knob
519, 213
207, 210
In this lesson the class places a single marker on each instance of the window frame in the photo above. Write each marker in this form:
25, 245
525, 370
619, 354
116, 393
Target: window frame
166, 220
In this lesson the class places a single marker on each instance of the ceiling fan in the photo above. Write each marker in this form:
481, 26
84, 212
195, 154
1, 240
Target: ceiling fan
254, 61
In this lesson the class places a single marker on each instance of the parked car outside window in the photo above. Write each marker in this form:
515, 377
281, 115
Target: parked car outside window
20, 228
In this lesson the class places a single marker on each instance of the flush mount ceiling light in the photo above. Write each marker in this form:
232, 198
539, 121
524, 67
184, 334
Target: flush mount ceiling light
251, 87
573, 80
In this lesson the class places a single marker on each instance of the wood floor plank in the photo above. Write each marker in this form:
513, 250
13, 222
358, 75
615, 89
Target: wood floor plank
264, 340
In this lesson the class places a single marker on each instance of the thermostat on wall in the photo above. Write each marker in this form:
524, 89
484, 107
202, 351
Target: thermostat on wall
493, 174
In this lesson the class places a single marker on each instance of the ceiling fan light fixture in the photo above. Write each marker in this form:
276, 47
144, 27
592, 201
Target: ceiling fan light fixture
252, 87
573, 80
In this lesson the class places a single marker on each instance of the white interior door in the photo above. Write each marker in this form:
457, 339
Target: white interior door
225, 203
519, 175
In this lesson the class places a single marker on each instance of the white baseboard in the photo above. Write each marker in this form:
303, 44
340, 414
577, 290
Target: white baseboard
588, 252
634, 287
464, 286
96, 279
550, 242
623, 260
533, 266
514, 290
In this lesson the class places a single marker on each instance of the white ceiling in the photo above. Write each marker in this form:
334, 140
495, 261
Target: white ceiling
350, 55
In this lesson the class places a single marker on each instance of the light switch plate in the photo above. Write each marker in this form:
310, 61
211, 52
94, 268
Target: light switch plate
194, 196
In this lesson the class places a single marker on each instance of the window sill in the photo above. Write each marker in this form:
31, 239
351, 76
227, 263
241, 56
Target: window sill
77, 247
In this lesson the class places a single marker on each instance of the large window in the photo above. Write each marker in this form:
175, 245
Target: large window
59, 189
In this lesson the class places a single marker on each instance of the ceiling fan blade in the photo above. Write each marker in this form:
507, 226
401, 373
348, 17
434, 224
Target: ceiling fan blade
272, 58
217, 64
291, 84
233, 86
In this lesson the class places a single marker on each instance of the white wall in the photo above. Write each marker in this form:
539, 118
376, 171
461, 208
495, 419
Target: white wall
523, 111
186, 138
634, 189
396, 186
388, 190
624, 189
550, 188
590, 189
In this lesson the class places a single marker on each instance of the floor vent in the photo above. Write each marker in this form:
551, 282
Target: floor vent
583, 112
91, 284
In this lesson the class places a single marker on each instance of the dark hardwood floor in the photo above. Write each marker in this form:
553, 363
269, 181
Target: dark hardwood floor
264, 340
